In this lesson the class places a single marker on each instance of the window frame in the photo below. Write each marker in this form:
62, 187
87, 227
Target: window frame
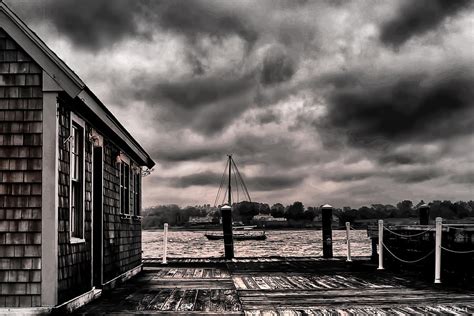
124, 162
80, 123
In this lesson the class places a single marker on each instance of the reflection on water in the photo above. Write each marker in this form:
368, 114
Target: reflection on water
279, 243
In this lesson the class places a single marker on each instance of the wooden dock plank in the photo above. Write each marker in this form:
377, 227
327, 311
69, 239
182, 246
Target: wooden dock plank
157, 302
188, 301
173, 300
260, 288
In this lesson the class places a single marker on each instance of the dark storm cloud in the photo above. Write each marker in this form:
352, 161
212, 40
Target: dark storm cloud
254, 183
410, 156
417, 175
345, 176
413, 175
391, 158
207, 178
465, 178
268, 116
97, 24
273, 182
90, 24
280, 153
196, 92
417, 17
172, 154
278, 67
194, 18
378, 112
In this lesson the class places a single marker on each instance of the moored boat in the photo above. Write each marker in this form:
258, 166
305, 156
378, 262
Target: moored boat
240, 231
238, 236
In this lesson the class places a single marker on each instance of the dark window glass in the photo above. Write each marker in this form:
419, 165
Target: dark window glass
77, 181
124, 188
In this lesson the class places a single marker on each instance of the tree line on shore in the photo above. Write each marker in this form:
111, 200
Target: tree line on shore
245, 211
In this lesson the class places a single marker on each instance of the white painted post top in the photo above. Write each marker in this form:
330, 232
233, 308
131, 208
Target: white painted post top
326, 206
226, 207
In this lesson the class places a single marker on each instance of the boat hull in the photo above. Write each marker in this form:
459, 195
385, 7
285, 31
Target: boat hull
237, 237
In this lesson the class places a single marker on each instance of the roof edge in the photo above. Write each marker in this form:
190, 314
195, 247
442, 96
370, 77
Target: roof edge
67, 78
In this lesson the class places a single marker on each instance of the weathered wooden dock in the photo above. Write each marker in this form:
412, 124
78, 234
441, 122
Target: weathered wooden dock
277, 286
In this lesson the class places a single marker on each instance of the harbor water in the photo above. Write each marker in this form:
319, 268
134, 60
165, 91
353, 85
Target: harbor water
287, 243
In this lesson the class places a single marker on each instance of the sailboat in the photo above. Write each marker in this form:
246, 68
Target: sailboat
240, 232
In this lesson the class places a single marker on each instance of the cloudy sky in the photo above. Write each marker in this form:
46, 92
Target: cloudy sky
344, 102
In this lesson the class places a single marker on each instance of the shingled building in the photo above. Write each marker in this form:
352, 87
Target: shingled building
70, 189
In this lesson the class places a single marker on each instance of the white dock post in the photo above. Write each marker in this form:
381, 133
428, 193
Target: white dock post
380, 245
439, 231
165, 242
348, 230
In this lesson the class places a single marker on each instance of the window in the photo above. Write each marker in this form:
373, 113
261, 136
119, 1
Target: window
136, 193
76, 215
124, 188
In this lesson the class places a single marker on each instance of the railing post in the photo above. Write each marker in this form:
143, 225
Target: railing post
348, 230
439, 231
380, 245
165, 242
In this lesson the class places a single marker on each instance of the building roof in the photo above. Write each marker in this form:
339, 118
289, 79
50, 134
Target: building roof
68, 80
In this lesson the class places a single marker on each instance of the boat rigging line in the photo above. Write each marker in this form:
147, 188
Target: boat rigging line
234, 179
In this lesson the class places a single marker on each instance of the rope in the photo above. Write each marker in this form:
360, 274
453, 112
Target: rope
457, 228
408, 261
465, 225
241, 180
458, 251
236, 186
220, 186
407, 236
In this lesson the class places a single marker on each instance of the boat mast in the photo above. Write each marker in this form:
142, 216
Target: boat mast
229, 199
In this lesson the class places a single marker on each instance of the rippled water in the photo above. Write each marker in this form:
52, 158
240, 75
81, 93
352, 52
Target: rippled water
278, 243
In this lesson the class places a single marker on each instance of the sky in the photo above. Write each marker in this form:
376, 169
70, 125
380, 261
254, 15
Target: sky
343, 102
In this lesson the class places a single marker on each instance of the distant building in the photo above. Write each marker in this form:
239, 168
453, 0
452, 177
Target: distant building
70, 190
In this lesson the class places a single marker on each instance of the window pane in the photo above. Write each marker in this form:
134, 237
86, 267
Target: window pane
77, 141
121, 174
73, 209
72, 144
77, 162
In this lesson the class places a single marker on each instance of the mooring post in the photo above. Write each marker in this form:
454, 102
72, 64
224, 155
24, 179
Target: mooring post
380, 245
226, 212
327, 231
439, 231
374, 255
165, 242
348, 230
424, 213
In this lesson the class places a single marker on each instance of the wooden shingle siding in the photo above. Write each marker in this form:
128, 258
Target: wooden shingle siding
20, 176
122, 237
74, 259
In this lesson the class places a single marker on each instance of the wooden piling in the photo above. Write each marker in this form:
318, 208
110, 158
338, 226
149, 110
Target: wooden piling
327, 231
226, 212
424, 213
